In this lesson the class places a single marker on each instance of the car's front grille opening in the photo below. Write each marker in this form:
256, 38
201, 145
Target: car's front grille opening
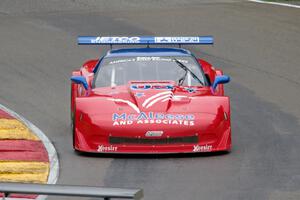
170, 140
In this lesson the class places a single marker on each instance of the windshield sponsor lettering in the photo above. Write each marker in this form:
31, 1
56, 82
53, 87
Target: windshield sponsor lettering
147, 59
151, 86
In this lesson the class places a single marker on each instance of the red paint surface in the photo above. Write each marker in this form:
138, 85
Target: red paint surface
23, 150
94, 109
5, 115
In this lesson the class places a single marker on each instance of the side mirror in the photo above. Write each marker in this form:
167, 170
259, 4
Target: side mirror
220, 80
80, 80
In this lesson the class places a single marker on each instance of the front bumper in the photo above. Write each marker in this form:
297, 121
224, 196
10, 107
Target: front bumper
222, 143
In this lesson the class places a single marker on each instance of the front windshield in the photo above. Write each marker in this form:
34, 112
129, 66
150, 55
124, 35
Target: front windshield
115, 71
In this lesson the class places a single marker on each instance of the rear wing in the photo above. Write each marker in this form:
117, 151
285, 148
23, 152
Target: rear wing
145, 40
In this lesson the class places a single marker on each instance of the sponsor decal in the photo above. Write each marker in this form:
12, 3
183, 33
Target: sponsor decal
176, 39
202, 148
146, 59
124, 119
139, 94
154, 133
115, 40
103, 148
121, 61
151, 86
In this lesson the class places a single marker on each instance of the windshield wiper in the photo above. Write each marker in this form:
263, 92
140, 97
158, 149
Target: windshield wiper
186, 69
182, 79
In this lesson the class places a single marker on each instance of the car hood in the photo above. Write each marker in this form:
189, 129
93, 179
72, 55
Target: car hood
159, 105
150, 96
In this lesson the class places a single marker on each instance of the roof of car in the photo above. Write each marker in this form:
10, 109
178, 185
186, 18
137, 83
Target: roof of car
148, 52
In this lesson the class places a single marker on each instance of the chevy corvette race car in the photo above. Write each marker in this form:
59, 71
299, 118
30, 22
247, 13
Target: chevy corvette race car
149, 100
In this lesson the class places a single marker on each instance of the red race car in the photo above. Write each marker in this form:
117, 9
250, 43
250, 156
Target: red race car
149, 100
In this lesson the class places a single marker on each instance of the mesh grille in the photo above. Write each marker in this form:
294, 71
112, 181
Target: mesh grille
174, 140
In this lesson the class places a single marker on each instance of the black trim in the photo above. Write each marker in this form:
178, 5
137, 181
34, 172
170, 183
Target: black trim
170, 140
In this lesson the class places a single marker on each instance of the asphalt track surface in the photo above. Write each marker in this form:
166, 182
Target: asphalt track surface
257, 45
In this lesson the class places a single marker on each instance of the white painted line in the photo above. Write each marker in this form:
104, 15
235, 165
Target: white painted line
276, 3
132, 105
53, 159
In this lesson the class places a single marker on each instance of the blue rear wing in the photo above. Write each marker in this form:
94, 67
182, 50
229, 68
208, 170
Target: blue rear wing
145, 40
